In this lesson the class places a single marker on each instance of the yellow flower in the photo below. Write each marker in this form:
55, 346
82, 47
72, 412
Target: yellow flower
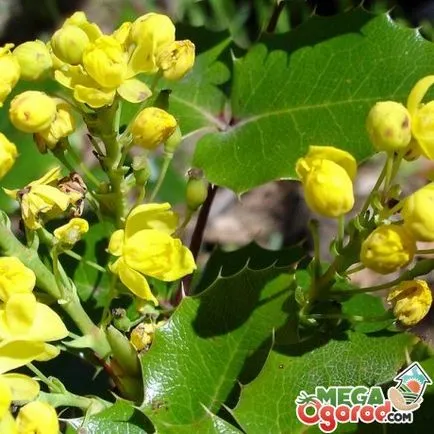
338, 156
9, 71
388, 126
41, 197
417, 212
87, 90
151, 127
328, 188
15, 277
8, 154
39, 418
18, 388
176, 59
122, 34
32, 111
105, 61
22, 318
150, 33
34, 59
72, 232
68, 44
146, 248
80, 20
388, 248
422, 116
411, 301
62, 126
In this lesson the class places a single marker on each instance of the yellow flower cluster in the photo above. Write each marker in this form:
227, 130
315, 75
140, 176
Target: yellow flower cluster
395, 128
43, 199
327, 175
96, 66
146, 248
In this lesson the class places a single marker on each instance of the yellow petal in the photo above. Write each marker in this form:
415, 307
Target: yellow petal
418, 92
135, 282
156, 216
52, 196
7, 424
134, 91
47, 325
18, 353
182, 263
50, 352
38, 417
19, 313
23, 388
15, 277
52, 175
5, 397
94, 97
116, 242
11, 193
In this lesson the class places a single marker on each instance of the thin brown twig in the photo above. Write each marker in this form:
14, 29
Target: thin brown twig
196, 241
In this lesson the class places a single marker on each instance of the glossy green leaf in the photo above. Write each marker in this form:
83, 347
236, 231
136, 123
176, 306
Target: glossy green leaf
311, 86
367, 313
267, 404
200, 352
121, 418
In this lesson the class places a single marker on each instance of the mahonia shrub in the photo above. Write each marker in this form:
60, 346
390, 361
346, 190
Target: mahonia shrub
175, 348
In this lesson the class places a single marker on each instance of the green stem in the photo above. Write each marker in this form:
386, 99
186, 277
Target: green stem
78, 257
140, 196
166, 163
355, 269
69, 399
341, 232
42, 377
108, 121
388, 178
87, 173
374, 190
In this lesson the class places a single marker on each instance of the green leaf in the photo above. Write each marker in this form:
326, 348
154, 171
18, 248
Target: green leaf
200, 352
196, 100
120, 418
370, 308
268, 403
311, 86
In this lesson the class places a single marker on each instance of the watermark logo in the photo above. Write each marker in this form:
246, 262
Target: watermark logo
329, 406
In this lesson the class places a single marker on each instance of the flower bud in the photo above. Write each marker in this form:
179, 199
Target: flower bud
411, 301
151, 127
105, 61
176, 59
72, 232
338, 156
32, 111
418, 213
388, 126
8, 154
9, 71
174, 140
388, 248
37, 417
197, 190
123, 351
154, 30
34, 59
328, 189
62, 126
68, 44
